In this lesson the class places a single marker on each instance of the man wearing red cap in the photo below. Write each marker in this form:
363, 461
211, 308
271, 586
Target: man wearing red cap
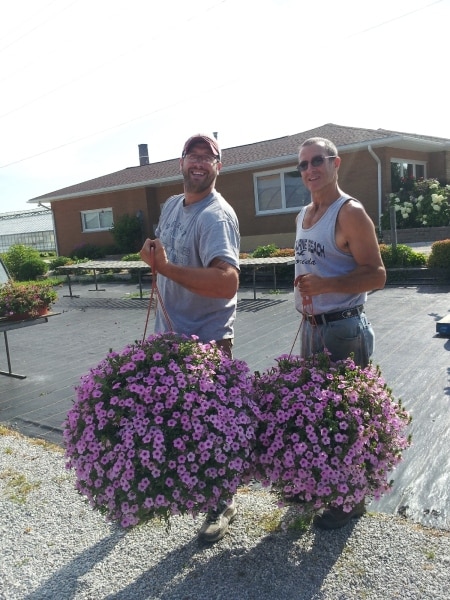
196, 256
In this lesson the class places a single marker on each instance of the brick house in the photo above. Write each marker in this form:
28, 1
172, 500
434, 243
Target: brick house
259, 180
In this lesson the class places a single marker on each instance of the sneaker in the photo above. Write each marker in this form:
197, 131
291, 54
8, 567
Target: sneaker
217, 521
335, 518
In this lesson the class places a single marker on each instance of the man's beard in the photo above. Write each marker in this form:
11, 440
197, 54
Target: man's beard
197, 187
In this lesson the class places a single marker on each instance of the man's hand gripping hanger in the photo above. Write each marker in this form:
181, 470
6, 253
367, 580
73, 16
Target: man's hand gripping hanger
155, 292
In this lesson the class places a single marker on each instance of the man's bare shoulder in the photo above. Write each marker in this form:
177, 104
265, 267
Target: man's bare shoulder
354, 223
353, 203
353, 208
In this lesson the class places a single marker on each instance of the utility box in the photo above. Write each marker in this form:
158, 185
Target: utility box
443, 326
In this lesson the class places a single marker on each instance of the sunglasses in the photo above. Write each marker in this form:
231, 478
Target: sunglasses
316, 161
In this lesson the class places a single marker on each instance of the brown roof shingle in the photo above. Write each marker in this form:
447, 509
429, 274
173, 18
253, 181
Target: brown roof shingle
237, 157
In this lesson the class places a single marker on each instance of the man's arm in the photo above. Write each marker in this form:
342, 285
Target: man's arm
218, 280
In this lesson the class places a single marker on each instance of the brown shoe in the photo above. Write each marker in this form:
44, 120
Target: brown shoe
335, 518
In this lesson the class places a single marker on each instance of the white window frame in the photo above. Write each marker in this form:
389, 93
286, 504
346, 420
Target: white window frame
283, 209
407, 161
98, 212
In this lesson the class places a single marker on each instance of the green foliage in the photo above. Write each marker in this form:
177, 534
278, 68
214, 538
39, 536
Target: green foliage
24, 263
264, 251
60, 261
301, 523
131, 257
398, 182
17, 486
16, 255
271, 521
111, 249
52, 281
127, 233
401, 256
440, 255
268, 252
285, 273
32, 268
88, 251
424, 203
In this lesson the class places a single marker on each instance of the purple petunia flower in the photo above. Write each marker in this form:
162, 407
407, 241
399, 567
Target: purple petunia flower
341, 436
172, 421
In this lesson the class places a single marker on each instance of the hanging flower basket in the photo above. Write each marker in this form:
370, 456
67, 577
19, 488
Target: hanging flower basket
329, 433
161, 428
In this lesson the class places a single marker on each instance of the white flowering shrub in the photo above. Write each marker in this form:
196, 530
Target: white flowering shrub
423, 203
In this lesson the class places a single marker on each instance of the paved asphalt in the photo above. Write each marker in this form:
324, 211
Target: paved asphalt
414, 361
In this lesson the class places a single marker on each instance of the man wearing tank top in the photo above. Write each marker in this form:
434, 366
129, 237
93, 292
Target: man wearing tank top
337, 261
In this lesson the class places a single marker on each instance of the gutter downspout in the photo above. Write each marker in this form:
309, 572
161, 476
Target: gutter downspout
53, 223
378, 161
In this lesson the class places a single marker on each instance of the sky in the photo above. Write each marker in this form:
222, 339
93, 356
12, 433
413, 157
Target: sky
84, 82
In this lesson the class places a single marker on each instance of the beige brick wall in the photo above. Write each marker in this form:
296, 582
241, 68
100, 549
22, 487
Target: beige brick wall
422, 234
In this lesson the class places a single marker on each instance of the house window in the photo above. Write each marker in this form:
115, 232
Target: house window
403, 171
279, 191
97, 220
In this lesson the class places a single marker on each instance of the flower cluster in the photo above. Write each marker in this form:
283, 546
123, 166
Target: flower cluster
423, 203
25, 298
163, 427
329, 433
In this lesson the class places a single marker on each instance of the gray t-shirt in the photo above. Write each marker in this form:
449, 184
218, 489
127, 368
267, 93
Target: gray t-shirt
193, 236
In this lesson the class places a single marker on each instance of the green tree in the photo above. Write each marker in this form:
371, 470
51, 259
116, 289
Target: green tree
127, 233
24, 263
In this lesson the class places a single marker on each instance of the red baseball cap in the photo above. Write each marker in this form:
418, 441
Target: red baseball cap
206, 139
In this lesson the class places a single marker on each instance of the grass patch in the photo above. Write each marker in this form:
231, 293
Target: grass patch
430, 554
145, 295
7, 431
271, 522
301, 523
17, 486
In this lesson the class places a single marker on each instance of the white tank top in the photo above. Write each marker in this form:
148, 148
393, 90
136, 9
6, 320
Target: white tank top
316, 252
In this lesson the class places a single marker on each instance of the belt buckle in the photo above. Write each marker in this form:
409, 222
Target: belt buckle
347, 314
319, 319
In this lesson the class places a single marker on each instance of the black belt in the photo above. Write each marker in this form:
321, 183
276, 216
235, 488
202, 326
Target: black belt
325, 318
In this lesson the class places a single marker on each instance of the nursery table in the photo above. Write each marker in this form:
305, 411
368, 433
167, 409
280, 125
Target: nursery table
6, 326
142, 267
103, 266
256, 263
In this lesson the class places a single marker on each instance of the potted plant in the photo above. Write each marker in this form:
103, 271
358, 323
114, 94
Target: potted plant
20, 301
329, 433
